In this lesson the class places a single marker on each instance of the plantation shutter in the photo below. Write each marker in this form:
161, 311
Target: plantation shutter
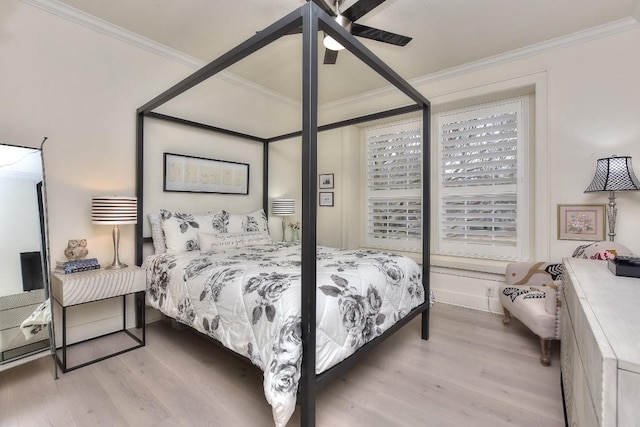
479, 165
394, 183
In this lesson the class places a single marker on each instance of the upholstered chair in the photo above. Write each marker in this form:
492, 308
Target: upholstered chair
531, 292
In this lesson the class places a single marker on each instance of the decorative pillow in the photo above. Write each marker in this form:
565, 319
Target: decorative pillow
250, 222
181, 229
157, 235
232, 240
602, 250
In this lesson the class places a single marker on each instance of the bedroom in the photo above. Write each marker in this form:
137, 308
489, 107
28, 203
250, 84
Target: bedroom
587, 88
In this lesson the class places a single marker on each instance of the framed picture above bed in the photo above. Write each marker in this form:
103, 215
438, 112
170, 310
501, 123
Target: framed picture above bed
191, 174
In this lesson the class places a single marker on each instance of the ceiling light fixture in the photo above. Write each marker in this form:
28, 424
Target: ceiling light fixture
328, 41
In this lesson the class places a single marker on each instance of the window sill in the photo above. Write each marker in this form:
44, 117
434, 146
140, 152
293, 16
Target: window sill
470, 264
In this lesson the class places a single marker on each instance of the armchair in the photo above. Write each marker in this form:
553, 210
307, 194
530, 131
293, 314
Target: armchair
531, 292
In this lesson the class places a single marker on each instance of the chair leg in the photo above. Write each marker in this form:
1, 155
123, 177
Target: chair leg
545, 358
507, 317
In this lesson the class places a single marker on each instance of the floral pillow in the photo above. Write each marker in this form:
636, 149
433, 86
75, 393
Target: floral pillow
248, 223
181, 229
210, 242
602, 250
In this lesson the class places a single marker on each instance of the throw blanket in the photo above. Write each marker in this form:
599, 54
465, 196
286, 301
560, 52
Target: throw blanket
249, 299
37, 321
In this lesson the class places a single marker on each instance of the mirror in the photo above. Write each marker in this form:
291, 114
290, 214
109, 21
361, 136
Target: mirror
24, 292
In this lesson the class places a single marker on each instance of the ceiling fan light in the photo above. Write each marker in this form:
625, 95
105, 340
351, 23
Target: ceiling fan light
331, 44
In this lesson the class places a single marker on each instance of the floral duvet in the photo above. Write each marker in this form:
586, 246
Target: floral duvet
249, 299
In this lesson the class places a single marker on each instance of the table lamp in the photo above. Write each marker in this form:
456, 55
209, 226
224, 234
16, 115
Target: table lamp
114, 210
613, 174
283, 208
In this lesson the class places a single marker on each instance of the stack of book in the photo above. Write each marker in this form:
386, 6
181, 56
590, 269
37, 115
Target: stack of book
68, 267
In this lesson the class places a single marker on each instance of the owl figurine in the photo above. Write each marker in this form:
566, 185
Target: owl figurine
76, 249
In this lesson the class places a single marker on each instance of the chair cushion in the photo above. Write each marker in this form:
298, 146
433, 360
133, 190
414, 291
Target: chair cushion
528, 304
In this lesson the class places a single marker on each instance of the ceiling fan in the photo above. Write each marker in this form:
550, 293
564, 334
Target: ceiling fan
347, 19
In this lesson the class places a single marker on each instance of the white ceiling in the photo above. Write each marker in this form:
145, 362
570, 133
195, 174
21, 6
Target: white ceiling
445, 33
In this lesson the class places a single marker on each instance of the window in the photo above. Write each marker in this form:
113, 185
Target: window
482, 194
394, 186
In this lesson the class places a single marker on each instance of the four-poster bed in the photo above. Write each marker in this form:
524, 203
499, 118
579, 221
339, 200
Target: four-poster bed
311, 19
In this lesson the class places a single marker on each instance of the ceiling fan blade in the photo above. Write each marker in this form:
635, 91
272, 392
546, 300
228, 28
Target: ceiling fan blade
360, 8
379, 35
330, 56
324, 6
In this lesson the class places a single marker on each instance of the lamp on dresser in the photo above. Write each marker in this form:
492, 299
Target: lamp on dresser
283, 208
613, 174
114, 210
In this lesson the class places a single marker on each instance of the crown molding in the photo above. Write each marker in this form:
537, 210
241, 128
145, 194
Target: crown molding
605, 30
104, 27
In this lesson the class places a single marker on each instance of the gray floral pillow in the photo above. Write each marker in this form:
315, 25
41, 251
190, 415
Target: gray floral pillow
181, 229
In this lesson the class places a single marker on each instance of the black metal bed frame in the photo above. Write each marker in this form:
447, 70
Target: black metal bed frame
312, 19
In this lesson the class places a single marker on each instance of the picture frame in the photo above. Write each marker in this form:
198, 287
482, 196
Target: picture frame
325, 181
581, 222
190, 174
326, 198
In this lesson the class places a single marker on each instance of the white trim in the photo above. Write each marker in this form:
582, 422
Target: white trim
101, 26
601, 31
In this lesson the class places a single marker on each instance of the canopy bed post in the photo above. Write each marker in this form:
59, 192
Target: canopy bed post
265, 177
139, 185
426, 214
309, 214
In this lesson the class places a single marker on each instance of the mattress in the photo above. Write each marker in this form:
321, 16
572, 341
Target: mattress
249, 299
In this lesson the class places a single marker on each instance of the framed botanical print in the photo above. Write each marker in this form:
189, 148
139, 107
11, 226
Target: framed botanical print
581, 222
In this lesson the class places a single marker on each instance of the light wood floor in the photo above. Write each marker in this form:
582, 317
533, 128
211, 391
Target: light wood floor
472, 372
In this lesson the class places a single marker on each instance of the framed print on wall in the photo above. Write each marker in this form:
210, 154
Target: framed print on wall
581, 222
199, 175
325, 180
326, 198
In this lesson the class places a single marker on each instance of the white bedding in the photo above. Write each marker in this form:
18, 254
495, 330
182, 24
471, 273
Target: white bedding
249, 299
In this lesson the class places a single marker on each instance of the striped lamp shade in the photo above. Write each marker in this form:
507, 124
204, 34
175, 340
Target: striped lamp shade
283, 207
114, 210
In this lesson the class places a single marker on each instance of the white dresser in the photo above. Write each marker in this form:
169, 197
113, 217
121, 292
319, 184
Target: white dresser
600, 347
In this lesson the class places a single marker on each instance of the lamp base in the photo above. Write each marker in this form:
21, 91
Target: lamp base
115, 266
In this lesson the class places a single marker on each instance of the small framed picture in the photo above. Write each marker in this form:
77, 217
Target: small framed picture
581, 222
325, 180
326, 198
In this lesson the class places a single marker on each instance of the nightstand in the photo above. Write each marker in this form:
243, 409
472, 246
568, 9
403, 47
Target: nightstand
87, 287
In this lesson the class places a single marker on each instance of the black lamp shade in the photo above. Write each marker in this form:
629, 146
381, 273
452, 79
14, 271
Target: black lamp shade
614, 174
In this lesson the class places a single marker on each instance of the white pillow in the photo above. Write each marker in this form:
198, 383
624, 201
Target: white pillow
210, 242
248, 223
157, 235
181, 229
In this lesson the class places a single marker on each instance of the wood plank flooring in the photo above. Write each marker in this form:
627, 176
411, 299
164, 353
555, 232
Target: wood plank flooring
472, 371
